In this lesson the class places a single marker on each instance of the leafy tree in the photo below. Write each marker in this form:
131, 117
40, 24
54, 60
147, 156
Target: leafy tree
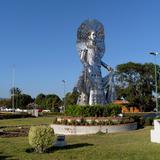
24, 100
40, 100
71, 98
137, 84
20, 100
5, 102
51, 101
15, 91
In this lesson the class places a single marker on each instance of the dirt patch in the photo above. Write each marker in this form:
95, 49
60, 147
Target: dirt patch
18, 132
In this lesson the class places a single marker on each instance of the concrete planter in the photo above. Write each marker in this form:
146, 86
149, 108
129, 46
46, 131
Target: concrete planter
83, 130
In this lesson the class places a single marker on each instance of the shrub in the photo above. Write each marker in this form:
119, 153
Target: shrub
148, 121
112, 109
41, 138
93, 111
139, 119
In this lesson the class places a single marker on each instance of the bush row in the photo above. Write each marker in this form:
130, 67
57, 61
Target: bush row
141, 121
93, 111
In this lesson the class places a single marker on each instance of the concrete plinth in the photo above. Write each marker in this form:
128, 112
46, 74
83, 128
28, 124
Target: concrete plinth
155, 133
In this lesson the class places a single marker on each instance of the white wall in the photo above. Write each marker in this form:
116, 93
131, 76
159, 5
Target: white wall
82, 130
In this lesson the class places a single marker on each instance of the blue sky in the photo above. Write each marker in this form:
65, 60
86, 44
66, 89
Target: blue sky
39, 38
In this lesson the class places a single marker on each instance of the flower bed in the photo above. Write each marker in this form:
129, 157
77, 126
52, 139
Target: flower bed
92, 125
93, 120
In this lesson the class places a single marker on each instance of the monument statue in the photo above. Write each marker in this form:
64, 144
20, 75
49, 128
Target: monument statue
93, 88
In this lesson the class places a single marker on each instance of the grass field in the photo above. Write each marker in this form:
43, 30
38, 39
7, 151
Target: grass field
133, 145
26, 121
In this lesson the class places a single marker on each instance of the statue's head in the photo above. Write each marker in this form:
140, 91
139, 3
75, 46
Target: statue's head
92, 36
92, 31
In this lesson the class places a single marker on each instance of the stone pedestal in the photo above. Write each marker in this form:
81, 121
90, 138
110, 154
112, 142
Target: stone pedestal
35, 112
155, 133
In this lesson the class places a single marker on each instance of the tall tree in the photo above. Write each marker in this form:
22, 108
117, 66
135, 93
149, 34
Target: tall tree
40, 100
5, 102
71, 98
137, 83
24, 100
50, 101
53, 102
20, 100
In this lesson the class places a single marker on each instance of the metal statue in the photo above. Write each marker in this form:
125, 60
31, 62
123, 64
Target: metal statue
91, 48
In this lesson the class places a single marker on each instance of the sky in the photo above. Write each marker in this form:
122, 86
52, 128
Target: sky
38, 39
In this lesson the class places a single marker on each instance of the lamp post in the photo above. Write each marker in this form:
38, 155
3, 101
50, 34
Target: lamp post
64, 92
155, 54
13, 87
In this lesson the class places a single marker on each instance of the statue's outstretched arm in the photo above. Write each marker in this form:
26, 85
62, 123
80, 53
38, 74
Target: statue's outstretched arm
106, 66
107, 78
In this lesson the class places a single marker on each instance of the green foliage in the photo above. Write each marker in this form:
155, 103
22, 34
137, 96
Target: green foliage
71, 98
149, 121
15, 91
5, 102
96, 121
134, 145
26, 121
86, 111
20, 100
93, 111
142, 118
40, 99
137, 84
41, 138
50, 101
23, 100
112, 109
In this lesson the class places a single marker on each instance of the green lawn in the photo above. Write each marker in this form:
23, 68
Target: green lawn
26, 121
133, 145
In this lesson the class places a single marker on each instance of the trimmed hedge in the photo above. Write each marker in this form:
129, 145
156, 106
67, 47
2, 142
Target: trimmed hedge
93, 111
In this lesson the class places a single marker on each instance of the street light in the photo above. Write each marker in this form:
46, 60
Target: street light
155, 54
64, 85
13, 87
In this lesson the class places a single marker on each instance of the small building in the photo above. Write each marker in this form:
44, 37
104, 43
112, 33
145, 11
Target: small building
125, 108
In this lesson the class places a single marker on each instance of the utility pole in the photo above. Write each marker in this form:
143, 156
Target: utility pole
155, 69
13, 87
64, 92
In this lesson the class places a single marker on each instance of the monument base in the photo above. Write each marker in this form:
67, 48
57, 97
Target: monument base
155, 133
86, 130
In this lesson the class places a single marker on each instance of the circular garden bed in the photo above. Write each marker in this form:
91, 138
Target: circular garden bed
92, 125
